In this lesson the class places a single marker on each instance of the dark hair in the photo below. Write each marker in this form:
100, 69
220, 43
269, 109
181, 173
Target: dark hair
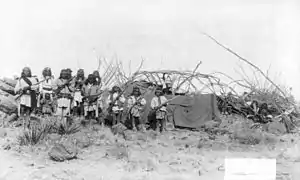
264, 106
158, 90
62, 74
91, 79
80, 74
23, 74
96, 73
136, 89
114, 89
47, 95
47, 72
68, 73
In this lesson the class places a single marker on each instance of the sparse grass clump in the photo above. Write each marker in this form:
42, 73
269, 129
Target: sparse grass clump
39, 131
67, 129
248, 136
244, 134
34, 135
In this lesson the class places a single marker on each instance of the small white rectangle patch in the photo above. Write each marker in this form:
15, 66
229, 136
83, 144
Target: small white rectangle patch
250, 169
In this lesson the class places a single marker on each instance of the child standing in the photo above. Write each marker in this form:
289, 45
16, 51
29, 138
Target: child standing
159, 107
136, 103
47, 104
116, 101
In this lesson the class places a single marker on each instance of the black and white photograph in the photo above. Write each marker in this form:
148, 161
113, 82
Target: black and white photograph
150, 90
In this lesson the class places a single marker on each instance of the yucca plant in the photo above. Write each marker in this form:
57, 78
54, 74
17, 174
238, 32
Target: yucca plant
33, 135
67, 128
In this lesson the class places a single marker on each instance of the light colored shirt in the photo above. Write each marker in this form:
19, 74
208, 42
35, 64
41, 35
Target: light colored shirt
25, 99
46, 85
116, 106
132, 100
115, 95
136, 110
155, 102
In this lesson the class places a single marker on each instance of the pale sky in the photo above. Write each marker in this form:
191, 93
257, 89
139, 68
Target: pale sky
64, 33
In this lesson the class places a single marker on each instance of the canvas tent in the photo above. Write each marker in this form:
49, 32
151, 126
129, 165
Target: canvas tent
194, 111
189, 111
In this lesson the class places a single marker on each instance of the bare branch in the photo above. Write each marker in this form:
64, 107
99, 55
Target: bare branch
246, 61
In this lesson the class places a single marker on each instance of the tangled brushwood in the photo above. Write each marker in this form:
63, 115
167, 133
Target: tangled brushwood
262, 101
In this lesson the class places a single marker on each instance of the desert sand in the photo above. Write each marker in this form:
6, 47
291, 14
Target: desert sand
178, 154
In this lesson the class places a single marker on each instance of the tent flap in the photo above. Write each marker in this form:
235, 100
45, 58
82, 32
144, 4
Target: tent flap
195, 111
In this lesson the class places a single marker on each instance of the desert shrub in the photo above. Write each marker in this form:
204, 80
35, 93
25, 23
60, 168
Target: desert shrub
39, 131
248, 136
66, 128
244, 133
34, 135
62, 127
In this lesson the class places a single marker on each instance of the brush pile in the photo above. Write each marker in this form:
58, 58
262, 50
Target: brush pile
262, 101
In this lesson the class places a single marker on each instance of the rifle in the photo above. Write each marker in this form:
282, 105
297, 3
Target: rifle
59, 88
92, 98
136, 103
160, 106
29, 87
163, 104
109, 109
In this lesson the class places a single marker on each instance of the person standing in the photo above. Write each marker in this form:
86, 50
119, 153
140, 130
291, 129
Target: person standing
98, 78
47, 105
159, 107
46, 86
136, 104
116, 102
64, 88
101, 101
91, 92
78, 109
27, 88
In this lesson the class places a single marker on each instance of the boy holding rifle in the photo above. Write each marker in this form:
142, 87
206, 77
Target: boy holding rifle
159, 107
116, 101
136, 104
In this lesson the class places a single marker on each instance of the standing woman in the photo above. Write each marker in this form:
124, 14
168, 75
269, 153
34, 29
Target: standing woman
46, 86
98, 78
116, 101
78, 109
100, 100
27, 88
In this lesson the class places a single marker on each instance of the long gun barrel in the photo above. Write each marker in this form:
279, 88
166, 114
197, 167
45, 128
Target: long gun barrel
28, 87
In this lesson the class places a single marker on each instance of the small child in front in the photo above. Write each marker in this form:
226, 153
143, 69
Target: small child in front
159, 106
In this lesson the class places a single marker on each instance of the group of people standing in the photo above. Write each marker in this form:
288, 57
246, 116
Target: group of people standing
80, 96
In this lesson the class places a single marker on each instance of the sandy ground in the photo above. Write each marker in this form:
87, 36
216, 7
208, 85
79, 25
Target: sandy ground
175, 155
